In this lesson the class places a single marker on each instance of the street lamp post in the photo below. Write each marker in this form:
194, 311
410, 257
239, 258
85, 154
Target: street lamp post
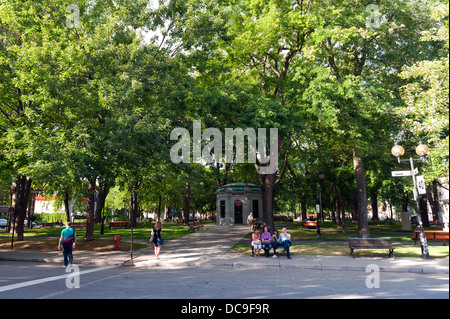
318, 197
422, 150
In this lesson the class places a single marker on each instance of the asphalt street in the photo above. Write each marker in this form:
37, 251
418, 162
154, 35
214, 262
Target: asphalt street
197, 267
31, 280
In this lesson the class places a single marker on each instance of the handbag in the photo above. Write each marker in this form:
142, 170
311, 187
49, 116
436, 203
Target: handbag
153, 237
160, 242
69, 240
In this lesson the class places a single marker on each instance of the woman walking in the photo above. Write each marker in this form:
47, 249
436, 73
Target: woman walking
156, 238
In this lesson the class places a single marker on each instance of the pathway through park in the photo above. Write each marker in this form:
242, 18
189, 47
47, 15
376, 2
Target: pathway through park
213, 241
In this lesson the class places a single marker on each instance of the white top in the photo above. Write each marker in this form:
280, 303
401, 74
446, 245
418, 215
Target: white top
284, 236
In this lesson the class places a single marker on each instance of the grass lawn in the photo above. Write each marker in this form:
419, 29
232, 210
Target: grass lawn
330, 232
142, 231
343, 250
46, 239
45, 244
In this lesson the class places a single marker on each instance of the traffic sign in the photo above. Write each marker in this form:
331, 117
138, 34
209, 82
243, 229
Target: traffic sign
421, 186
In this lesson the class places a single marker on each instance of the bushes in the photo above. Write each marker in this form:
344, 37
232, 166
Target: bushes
40, 218
284, 218
384, 222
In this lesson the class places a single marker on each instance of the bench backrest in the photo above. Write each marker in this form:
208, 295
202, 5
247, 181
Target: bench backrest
369, 242
79, 224
432, 234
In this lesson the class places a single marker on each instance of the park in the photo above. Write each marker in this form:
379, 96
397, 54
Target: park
326, 121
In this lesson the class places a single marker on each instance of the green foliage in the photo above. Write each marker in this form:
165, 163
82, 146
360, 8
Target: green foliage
98, 102
39, 218
426, 95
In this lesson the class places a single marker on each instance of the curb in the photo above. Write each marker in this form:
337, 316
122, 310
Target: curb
233, 262
416, 270
60, 261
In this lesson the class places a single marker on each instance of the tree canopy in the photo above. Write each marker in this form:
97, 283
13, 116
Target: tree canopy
90, 92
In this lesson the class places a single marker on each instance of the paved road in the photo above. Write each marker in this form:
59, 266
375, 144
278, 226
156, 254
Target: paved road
197, 267
49, 281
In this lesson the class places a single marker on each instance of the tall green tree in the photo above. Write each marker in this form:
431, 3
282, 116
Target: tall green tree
353, 86
426, 110
83, 95
303, 61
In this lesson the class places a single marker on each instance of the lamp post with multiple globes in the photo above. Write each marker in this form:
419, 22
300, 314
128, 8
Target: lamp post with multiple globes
422, 150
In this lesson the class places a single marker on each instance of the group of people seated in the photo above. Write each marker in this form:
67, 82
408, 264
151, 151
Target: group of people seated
268, 241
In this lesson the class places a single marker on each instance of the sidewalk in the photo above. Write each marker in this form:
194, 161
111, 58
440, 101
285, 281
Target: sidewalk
208, 247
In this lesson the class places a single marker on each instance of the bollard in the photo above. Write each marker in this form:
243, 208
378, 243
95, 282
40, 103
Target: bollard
116, 242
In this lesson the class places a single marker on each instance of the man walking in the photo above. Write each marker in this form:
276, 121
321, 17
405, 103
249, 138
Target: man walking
67, 240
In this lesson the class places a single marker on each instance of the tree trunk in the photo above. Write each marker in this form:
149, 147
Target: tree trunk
337, 207
303, 203
90, 210
159, 207
187, 203
267, 187
12, 207
405, 201
102, 192
166, 213
363, 223
354, 208
30, 209
390, 209
133, 208
66, 206
341, 188
374, 201
433, 199
424, 210
23, 188
269, 181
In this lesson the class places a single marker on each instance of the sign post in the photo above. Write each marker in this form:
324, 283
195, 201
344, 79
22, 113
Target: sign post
419, 188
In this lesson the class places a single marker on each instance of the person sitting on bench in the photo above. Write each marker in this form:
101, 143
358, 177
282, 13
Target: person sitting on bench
275, 243
266, 240
286, 242
256, 243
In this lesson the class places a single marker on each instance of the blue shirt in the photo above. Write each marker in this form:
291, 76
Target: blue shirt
68, 231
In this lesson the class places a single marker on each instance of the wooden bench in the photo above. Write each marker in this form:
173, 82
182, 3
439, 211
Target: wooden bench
118, 224
430, 235
199, 224
78, 225
48, 224
370, 243
309, 224
195, 225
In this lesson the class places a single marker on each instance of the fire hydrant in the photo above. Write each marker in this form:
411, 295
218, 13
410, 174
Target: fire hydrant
116, 242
